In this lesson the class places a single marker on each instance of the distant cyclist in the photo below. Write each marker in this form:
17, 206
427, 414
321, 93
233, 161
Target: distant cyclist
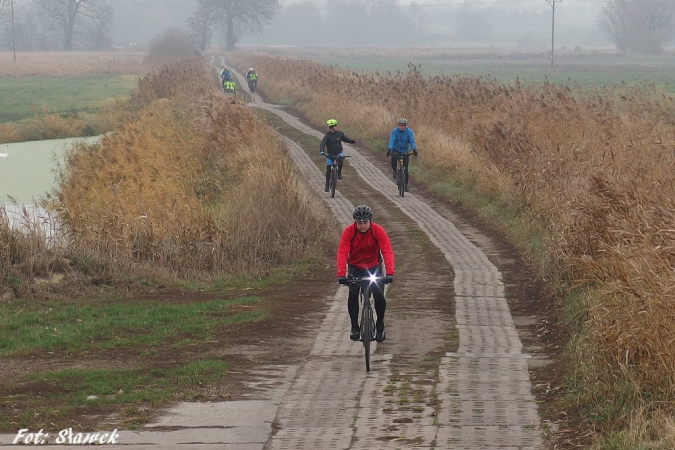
400, 139
331, 144
229, 87
225, 75
252, 78
362, 249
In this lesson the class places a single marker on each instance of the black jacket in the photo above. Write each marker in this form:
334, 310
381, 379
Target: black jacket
332, 142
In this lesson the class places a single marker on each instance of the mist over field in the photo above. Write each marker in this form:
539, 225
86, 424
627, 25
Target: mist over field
515, 24
438, 23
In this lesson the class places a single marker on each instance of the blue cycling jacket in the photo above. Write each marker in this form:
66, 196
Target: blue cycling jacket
399, 140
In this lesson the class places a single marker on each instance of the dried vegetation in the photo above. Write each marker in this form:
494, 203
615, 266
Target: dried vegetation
594, 168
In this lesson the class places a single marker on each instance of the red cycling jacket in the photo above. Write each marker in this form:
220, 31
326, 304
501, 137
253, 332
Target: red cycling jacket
362, 250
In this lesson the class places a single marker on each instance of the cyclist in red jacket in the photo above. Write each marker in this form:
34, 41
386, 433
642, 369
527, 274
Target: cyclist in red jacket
362, 249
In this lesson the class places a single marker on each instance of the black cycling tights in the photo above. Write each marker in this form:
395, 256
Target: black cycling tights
353, 303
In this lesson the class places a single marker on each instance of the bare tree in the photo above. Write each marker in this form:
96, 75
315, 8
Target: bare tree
639, 26
63, 16
97, 31
202, 22
240, 15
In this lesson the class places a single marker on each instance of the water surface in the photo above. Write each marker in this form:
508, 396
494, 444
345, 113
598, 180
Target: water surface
28, 172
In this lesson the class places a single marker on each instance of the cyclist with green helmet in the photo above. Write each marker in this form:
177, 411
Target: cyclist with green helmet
331, 144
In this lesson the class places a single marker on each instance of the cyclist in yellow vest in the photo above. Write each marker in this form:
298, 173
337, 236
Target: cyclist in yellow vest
252, 78
229, 87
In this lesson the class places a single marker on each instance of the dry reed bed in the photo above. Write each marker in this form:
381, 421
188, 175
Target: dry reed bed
195, 185
593, 167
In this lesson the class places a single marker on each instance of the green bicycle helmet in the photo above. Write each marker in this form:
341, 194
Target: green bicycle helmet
331, 123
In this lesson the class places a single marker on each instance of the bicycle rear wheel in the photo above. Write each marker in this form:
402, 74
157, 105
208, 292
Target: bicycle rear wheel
400, 181
333, 181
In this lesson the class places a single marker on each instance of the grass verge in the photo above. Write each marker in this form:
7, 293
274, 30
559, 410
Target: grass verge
67, 391
68, 327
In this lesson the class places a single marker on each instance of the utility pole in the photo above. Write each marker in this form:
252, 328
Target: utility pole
552, 3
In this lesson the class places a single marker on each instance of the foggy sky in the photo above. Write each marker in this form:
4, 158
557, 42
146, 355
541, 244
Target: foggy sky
141, 20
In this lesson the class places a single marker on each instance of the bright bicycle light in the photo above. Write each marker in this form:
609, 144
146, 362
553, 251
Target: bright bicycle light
372, 278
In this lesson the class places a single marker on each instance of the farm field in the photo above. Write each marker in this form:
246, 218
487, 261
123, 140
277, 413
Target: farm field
24, 97
65, 82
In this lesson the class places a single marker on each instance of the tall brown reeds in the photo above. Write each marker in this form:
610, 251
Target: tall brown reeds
592, 166
27, 254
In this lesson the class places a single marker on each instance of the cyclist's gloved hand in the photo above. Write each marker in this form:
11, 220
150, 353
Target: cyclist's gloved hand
415, 153
321, 153
388, 152
342, 280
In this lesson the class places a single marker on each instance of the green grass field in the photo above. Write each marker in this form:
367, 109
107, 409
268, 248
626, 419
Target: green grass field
23, 97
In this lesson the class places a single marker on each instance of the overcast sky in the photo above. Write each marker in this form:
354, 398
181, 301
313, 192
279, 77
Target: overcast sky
140, 20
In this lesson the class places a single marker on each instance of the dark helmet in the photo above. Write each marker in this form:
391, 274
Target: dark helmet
403, 121
362, 213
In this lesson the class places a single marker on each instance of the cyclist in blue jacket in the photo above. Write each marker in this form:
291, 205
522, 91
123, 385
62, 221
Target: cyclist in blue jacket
400, 139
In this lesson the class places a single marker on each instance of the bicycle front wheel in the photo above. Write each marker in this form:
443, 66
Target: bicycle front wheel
400, 181
367, 330
333, 182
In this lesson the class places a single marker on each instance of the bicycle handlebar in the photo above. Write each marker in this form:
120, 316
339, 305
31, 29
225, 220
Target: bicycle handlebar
336, 156
365, 280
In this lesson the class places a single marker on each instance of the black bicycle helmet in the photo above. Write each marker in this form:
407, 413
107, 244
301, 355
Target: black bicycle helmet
362, 213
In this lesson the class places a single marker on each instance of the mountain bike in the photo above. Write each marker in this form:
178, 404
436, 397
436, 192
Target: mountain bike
332, 181
367, 327
401, 174
252, 84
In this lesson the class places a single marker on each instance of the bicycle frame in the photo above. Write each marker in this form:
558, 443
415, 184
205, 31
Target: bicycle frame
401, 174
367, 315
333, 172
